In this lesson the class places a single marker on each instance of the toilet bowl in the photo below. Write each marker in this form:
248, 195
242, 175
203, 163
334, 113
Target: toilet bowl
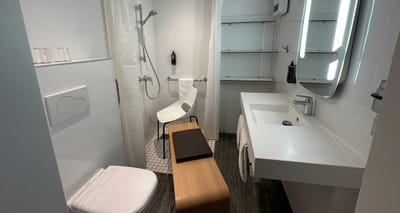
117, 189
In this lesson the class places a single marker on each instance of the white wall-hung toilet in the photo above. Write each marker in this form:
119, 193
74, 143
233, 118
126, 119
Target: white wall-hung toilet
117, 189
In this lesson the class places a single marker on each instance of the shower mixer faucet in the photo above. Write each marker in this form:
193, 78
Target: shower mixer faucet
146, 78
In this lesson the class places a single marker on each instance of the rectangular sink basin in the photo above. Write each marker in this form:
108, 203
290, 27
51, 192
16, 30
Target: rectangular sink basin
276, 114
306, 152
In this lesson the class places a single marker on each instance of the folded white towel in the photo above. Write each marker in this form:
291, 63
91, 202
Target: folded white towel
243, 154
184, 85
239, 130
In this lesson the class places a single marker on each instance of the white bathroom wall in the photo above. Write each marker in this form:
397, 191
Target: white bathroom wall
75, 24
91, 141
348, 112
182, 26
380, 188
29, 178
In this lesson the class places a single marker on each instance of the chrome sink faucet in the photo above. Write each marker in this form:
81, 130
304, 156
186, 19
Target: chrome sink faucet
308, 104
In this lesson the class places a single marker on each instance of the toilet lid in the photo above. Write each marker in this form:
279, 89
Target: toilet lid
116, 189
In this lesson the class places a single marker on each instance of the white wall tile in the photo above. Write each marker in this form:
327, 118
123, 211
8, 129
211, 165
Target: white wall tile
182, 26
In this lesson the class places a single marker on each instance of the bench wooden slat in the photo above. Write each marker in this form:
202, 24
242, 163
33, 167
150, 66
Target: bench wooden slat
199, 185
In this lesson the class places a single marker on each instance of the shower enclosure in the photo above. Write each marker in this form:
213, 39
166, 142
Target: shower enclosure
141, 37
133, 64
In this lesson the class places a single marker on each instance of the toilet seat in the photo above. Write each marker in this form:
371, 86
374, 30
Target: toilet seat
116, 189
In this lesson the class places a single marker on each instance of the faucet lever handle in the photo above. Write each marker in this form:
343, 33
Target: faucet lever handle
308, 98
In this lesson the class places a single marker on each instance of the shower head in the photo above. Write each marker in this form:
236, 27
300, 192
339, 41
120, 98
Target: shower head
151, 13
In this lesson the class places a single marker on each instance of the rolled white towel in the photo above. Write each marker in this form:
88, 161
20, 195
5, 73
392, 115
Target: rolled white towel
184, 85
243, 155
239, 130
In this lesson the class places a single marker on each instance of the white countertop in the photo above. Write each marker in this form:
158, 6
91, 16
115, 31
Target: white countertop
308, 153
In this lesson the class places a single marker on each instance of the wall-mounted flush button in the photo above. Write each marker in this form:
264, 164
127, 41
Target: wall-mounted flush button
68, 104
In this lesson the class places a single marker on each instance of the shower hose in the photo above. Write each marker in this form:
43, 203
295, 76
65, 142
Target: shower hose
155, 73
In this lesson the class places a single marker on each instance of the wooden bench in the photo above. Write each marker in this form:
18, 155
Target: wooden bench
199, 185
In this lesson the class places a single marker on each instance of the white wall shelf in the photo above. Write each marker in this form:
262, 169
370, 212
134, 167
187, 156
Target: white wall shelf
247, 22
316, 81
320, 52
249, 51
248, 47
70, 62
323, 20
259, 79
238, 19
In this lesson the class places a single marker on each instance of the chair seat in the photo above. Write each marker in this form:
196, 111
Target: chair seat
171, 113
180, 109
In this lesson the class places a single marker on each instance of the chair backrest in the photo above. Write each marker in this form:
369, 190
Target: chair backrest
190, 97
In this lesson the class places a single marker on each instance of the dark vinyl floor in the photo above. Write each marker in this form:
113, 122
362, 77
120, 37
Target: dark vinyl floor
262, 196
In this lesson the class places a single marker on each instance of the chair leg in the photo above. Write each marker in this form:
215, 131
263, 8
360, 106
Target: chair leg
163, 137
195, 117
158, 130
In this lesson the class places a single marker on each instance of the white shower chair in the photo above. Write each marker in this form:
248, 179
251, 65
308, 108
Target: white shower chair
181, 109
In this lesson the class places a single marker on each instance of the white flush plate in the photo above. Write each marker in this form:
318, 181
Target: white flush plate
67, 104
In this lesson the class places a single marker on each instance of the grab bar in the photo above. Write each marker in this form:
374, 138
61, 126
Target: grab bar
195, 80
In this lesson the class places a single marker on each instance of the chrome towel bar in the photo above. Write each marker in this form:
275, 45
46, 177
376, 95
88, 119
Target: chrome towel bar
195, 80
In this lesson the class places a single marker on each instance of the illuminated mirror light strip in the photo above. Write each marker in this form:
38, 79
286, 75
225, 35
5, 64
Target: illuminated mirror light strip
341, 24
332, 70
305, 29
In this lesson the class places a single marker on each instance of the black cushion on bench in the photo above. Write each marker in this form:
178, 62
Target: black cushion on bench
190, 145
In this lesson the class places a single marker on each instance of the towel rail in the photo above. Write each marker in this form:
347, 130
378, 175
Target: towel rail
195, 80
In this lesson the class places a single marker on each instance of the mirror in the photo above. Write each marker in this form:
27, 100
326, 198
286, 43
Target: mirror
325, 44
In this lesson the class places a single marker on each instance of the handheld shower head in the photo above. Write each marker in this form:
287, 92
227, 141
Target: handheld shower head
140, 22
151, 13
